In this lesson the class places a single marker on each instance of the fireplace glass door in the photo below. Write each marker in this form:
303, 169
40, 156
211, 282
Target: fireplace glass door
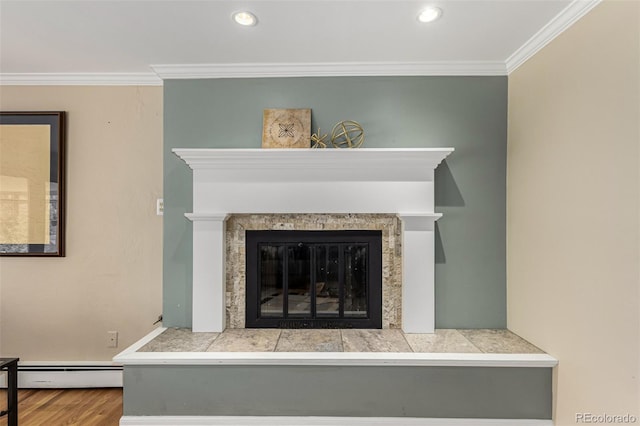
314, 279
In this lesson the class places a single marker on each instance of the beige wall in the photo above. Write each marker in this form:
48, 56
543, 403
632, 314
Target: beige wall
573, 217
60, 309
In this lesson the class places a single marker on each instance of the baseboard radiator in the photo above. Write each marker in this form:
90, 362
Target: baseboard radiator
67, 375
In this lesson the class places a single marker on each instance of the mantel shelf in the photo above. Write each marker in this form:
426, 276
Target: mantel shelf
303, 165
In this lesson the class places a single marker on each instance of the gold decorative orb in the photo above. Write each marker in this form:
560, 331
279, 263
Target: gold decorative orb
347, 134
317, 140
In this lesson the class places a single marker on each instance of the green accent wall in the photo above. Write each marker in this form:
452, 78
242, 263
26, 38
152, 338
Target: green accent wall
350, 391
467, 113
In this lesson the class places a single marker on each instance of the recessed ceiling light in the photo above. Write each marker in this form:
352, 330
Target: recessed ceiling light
429, 14
245, 18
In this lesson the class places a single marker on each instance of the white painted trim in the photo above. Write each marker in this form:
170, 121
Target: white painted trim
425, 215
130, 356
209, 276
80, 79
419, 221
67, 364
67, 374
312, 165
567, 17
262, 70
418, 276
212, 217
248, 159
390, 359
140, 343
319, 421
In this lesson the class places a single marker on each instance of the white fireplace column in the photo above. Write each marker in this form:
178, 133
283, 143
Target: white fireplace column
418, 260
270, 181
208, 292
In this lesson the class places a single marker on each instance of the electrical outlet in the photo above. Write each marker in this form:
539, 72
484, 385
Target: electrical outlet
112, 339
160, 206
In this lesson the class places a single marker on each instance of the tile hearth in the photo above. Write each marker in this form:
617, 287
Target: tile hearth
348, 340
281, 374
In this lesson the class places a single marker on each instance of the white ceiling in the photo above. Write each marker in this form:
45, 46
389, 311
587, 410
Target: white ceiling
140, 37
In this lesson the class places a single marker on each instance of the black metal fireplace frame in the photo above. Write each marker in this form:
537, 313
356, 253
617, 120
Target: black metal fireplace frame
373, 239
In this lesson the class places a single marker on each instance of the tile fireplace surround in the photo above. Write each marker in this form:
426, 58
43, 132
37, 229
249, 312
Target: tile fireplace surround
237, 224
284, 187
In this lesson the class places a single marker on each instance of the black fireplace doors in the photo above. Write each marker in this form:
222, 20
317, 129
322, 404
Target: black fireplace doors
314, 279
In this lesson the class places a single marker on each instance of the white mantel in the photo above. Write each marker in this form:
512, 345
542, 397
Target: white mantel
367, 180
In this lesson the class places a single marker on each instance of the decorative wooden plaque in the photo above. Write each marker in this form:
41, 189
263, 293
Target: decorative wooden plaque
286, 128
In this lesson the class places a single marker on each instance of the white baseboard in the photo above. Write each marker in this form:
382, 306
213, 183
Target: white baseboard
319, 421
33, 375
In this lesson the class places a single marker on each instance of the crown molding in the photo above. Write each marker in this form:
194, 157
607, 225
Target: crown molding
80, 79
567, 17
262, 70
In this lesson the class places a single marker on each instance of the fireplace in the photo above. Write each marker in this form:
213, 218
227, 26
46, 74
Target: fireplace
309, 182
314, 279
237, 227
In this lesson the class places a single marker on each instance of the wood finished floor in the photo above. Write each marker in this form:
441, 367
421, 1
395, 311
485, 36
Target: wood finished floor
66, 407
